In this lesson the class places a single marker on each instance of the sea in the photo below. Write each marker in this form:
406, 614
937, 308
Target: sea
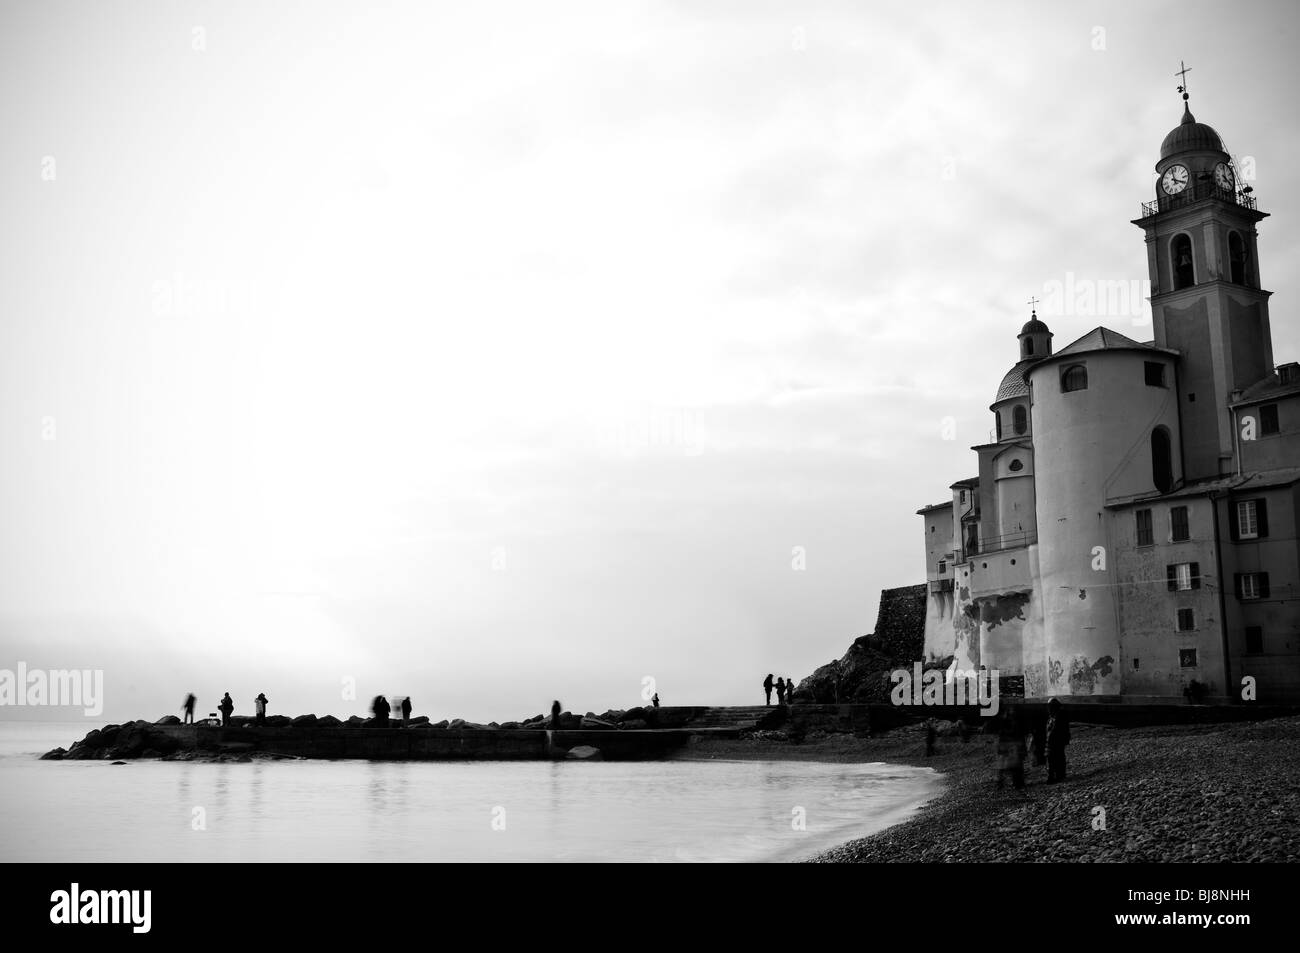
482, 811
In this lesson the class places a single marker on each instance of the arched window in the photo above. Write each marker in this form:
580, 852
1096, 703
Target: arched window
1029, 346
1074, 377
997, 417
1020, 420
1162, 461
1237, 258
1180, 251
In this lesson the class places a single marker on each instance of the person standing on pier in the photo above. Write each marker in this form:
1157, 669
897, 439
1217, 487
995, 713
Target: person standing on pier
260, 703
655, 701
189, 709
789, 690
555, 714
1058, 736
780, 691
767, 689
406, 711
226, 707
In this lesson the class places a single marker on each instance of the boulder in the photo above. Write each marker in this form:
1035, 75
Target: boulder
634, 724
278, 721
634, 714
305, 721
168, 720
420, 720
456, 724
327, 721
583, 753
356, 721
55, 755
510, 724
614, 714
441, 725
570, 722
119, 762
592, 723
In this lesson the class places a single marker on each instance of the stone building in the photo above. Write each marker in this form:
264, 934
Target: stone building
1132, 529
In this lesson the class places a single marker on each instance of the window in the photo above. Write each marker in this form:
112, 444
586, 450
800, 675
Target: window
943, 565
1162, 460
1155, 373
1186, 620
1187, 658
1074, 377
1145, 536
1268, 420
1029, 346
1237, 258
1183, 576
1135, 664
1016, 466
1020, 418
1178, 529
1254, 640
1252, 585
1248, 519
997, 420
1181, 256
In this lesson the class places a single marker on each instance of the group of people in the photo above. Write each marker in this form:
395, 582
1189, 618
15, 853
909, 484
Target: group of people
226, 708
784, 689
381, 709
1050, 736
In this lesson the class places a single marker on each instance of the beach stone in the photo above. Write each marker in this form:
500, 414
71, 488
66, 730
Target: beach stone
119, 762
583, 753
55, 755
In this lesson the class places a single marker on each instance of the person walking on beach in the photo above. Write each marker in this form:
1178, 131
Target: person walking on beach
767, 688
555, 715
226, 707
189, 709
406, 711
780, 691
1011, 750
1058, 736
260, 703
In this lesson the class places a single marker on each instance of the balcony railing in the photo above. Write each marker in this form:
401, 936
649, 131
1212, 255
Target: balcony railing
941, 585
1195, 191
996, 544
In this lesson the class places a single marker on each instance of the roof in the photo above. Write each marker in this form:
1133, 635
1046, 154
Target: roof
1013, 383
1190, 136
1104, 339
1259, 480
969, 481
1034, 326
946, 504
1270, 388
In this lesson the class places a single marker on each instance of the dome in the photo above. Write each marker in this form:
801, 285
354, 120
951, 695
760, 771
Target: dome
1013, 385
1034, 326
1190, 136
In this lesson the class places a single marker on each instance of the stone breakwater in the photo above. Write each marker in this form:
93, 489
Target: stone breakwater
624, 735
1210, 793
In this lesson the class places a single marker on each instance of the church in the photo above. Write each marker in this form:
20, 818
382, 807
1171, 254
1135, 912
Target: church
1131, 535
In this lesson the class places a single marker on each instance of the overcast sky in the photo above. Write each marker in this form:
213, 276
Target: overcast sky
496, 353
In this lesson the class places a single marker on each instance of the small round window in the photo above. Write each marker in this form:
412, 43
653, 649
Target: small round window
1016, 466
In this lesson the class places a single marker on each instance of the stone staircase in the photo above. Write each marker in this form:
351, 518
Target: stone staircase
740, 716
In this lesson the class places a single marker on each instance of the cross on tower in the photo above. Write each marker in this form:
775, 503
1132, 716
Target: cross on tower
1033, 305
1182, 74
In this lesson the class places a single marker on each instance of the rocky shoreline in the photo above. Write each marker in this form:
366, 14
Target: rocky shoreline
1205, 793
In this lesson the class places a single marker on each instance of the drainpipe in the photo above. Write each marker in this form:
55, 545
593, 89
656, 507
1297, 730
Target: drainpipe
1223, 603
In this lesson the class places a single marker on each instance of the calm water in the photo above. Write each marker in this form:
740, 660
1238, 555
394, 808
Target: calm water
435, 811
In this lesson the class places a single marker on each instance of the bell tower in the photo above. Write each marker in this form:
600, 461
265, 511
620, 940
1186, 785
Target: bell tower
1206, 299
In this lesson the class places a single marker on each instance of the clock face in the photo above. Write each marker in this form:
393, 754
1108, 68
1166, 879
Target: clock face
1223, 176
1174, 179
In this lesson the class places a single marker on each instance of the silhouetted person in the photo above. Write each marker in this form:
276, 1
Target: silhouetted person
381, 708
260, 701
780, 691
189, 709
767, 689
1011, 750
1039, 747
1058, 736
789, 691
655, 701
406, 711
226, 707
555, 714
